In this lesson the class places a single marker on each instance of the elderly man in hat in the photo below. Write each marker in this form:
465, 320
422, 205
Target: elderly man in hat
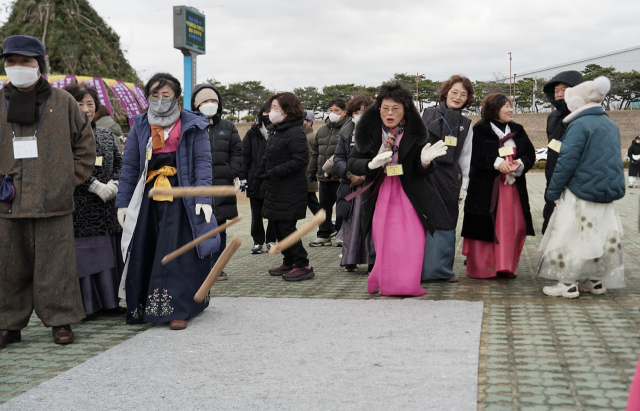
47, 148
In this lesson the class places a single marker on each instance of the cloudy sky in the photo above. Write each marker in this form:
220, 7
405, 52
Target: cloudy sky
287, 44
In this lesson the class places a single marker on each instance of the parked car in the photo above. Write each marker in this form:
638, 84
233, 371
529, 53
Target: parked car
541, 154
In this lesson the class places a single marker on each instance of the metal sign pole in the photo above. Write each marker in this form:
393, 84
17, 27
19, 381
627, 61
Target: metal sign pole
190, 77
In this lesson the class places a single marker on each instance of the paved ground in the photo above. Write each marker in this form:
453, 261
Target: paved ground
285, 354
536, 352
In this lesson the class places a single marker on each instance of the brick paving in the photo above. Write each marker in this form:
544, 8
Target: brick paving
537, 352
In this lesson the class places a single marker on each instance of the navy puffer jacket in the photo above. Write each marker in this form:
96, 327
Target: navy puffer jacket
590, 164
193, 165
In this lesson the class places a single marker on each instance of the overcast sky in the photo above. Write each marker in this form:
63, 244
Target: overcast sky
287, 44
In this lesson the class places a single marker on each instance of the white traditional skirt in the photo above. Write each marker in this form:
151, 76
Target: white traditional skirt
582, 243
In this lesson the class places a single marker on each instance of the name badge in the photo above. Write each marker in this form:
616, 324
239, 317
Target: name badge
555, 145
99, 161
395, 170
25, 147
506, 151
147, 154
450, 141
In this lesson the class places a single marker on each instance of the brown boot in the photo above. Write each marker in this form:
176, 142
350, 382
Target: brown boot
8, 337
178, 325
62, 334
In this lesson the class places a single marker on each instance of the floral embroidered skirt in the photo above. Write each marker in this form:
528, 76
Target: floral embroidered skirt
582, 242
158, 293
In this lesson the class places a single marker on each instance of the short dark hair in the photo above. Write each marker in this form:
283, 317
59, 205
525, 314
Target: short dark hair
492, 104
361, 99
466, 83
290, 104
102, 111
266, 107
340, 102
79, 91
395, 91
163, 79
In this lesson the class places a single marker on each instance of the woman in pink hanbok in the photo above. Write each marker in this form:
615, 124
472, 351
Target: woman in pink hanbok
497, 217
394, 152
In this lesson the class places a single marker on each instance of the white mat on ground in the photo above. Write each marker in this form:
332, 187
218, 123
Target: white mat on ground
285, 354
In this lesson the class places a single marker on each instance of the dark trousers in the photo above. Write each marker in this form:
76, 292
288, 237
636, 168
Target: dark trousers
257, 225
223, 245
547, 211
296, 254
328, 198
38, 271
313, 203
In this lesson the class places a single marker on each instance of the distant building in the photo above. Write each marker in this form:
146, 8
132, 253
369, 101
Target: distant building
622, 60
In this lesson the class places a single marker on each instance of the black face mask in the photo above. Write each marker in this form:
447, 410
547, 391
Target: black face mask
265, 119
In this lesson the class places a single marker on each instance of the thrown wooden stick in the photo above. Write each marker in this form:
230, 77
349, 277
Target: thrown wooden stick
215, 272
175, 254
298, 234
214, 191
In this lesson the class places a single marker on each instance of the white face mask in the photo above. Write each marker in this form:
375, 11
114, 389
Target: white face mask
276, 116
356, 118
209, 109
21, 76
334, 118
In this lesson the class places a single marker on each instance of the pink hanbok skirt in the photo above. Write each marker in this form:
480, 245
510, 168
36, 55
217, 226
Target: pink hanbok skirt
398, 238
486, 259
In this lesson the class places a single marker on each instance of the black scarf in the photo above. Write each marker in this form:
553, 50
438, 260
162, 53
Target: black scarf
24, 108
562, 108
440, 129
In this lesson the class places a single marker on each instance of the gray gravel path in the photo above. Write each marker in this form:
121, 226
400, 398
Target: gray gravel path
286, 354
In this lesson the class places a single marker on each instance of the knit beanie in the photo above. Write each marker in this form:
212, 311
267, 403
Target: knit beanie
204, 95
587, 92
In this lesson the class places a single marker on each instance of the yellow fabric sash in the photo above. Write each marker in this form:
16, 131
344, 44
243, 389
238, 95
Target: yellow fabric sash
162, 181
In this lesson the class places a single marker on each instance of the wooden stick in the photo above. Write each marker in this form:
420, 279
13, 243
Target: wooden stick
175, 254
215, 272
298, 234
214, 191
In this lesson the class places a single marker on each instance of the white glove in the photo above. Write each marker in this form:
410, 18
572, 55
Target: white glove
104, 191
122, 213
431, 152
462, 196
380, 160
113, 186
206, 209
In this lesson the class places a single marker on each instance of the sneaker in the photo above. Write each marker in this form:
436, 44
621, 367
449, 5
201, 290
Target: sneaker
270, 246
320, 242
280, 270
350, 268
562, 290
592, 286
630, 185
339, 243
223, 276
453, 279
299, 274
257, 249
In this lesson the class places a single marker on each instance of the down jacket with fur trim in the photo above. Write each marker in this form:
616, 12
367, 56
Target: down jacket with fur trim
416, 181
589, 164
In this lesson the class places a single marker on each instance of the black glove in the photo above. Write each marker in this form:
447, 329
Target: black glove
312, 178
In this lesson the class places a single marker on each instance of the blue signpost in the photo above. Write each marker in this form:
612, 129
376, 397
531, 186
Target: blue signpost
189, 37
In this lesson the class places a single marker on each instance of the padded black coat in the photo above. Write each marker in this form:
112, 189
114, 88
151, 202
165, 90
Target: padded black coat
253, 147
284, 167
416, 181
478, 223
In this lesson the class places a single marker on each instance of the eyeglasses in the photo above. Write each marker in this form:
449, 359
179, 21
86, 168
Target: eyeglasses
392, 110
